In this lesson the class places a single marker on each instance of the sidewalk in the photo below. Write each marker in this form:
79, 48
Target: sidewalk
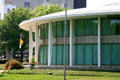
1, 71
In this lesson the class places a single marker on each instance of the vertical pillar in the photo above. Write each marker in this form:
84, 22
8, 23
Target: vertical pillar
49, 43
99, 42
30, 46
71, 36
36, 44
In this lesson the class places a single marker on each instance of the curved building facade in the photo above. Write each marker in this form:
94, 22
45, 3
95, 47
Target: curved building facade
92, 37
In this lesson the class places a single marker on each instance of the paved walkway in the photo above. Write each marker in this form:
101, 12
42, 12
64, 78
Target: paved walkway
1, 71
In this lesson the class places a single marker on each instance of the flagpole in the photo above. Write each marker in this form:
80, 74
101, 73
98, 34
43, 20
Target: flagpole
65, 40
21, 54
21, 42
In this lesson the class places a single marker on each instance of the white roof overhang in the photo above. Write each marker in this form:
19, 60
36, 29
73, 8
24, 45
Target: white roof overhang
75, 13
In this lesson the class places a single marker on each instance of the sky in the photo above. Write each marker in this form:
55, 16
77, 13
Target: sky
97, 3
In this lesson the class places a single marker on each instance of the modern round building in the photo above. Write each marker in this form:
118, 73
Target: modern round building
92, 37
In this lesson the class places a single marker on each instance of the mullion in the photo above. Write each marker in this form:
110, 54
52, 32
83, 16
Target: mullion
82, 41
56, 44
110, 42
76, 40
46, 56
92, 41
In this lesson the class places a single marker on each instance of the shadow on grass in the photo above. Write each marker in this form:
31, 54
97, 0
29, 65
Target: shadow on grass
89, 75
118, 71
1, 75
82, 75
60, 74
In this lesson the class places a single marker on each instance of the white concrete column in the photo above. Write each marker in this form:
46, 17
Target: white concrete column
30, 46
71, 39
50, 37
99, 42
36, 44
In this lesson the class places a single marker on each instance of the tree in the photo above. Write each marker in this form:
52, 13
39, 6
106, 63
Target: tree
2, 43
43, 10
10, 31
9, 26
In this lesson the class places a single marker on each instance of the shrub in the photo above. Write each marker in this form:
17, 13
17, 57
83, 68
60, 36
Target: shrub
3, 61
13, 64
32, 61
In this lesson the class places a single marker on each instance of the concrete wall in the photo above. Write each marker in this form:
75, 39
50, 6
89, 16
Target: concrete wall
33, 3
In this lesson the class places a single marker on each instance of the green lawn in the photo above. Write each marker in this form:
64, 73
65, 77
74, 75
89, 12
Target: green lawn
39, 74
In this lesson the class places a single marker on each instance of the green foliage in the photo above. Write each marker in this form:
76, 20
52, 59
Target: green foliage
32, 63
13, 64
9, 26
10, 31
33, 60
2, 42
43, 10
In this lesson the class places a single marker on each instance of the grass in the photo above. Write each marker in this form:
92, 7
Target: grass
40, 74
48, 77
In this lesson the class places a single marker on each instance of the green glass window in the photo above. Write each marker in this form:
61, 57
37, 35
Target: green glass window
95, 54
59, 56
74, 27
110, 51
41, 31
118, 26
115, 54
45, 55
67, 28
79, 24
105, 23
53, 55
54, 28
115, 26
87, 27
74, 55
94, 26
59, 29
45, 31
87, 54
67, 54
106, 54
110, 26
79, 54
110, 54
78, 27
